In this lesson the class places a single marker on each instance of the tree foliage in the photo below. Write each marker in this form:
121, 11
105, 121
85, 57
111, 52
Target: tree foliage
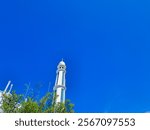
14, 103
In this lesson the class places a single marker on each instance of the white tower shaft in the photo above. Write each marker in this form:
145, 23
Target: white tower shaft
60, 83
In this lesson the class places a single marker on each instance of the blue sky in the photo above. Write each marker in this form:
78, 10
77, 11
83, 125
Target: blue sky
105, 44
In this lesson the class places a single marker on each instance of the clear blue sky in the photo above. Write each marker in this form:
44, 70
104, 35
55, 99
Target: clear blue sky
105, 44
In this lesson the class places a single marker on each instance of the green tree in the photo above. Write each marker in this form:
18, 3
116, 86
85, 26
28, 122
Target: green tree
28, 106
14, 103
10, 102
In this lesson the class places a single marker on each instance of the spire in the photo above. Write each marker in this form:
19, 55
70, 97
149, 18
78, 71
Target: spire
9, 82
10, 88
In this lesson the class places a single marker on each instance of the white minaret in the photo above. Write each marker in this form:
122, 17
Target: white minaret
60, 83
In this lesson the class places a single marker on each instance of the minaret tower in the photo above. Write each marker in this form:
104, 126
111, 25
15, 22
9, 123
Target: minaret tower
60, 83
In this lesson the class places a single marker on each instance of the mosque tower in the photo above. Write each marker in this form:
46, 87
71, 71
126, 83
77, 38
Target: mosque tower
60, 83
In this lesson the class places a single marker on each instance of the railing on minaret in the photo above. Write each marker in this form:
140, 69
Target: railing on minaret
60, 83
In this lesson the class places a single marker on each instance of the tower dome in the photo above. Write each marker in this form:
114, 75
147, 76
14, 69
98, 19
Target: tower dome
61, 66
62, 63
